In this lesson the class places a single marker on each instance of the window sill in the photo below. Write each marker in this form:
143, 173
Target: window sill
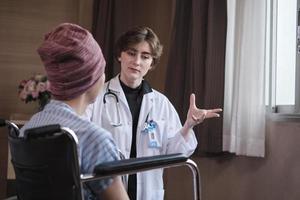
284, 117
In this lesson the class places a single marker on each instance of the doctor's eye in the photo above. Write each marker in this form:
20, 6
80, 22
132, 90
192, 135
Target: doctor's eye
131, 53
146, 56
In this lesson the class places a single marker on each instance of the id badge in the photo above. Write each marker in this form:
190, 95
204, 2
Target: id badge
153, 143
149, 128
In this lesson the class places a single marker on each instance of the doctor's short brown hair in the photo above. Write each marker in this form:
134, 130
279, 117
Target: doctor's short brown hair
136, 35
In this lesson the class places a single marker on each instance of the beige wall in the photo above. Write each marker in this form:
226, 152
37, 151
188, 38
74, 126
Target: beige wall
275, 177
22, 26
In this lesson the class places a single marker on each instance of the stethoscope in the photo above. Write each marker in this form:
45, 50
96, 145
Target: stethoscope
107, 93
149, 127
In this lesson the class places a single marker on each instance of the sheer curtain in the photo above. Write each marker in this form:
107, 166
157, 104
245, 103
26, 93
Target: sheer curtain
244, 101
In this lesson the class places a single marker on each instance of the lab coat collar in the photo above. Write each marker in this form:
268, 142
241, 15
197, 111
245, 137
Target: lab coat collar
115, 85
148, 98
146, 87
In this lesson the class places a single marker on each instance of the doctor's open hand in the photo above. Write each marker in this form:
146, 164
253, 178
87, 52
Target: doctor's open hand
196, 116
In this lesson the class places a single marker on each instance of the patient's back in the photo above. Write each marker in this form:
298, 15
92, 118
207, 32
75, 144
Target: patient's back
95, 144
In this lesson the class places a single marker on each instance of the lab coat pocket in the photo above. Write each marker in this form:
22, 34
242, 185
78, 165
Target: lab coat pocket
121, 135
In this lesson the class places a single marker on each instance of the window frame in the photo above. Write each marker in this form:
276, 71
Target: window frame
280, 112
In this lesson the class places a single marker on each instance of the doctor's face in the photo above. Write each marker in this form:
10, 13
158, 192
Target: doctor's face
135, 63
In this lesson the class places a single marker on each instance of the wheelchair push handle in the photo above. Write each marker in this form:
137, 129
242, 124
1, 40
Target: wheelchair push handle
2, 122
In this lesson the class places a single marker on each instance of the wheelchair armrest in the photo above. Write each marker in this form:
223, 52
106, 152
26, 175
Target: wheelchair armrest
133, 165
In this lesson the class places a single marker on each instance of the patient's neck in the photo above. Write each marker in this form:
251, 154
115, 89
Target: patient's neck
79, 104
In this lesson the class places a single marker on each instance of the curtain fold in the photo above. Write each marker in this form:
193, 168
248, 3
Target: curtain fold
110, 19
196, 64
244, 103
103, 16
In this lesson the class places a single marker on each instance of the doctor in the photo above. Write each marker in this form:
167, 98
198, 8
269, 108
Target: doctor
142, 121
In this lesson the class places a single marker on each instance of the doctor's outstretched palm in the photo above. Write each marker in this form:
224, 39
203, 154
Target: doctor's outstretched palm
196, 116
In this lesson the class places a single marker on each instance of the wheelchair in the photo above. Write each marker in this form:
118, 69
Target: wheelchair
46, 164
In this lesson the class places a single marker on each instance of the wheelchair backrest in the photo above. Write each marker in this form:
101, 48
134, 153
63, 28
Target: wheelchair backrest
46, 164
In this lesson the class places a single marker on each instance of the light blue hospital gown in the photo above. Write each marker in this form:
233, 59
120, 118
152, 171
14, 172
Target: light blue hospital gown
95, 144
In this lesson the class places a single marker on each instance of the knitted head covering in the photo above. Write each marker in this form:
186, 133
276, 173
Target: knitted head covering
73, 60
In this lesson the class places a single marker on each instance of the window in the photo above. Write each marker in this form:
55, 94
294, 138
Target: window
283, 78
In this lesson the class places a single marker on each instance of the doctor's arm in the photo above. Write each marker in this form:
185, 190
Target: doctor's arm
196, 116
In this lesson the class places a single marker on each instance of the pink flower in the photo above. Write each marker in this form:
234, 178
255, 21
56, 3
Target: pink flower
30, 86
23, 83
35, 88
34, 94
23, 95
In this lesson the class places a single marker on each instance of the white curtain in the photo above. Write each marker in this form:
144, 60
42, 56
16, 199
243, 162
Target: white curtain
244, 103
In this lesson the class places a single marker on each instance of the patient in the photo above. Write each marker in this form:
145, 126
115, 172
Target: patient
75, 68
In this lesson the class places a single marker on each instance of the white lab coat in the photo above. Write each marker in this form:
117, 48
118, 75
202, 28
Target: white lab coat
160, 110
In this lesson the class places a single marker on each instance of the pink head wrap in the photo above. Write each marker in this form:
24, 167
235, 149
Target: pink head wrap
73, 60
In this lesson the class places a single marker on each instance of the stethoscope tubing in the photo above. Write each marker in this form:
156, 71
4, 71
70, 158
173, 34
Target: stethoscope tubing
110, 92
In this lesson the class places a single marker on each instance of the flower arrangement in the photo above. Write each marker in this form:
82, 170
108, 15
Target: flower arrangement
35, 88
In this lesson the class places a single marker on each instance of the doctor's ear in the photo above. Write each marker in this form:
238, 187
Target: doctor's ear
152, 66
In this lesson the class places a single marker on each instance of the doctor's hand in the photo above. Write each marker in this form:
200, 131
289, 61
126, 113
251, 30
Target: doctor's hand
196, 116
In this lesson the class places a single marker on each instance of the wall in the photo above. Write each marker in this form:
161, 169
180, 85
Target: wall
275, 177
23, 24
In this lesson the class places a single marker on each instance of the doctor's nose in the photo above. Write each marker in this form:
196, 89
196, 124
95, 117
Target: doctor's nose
137, 59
